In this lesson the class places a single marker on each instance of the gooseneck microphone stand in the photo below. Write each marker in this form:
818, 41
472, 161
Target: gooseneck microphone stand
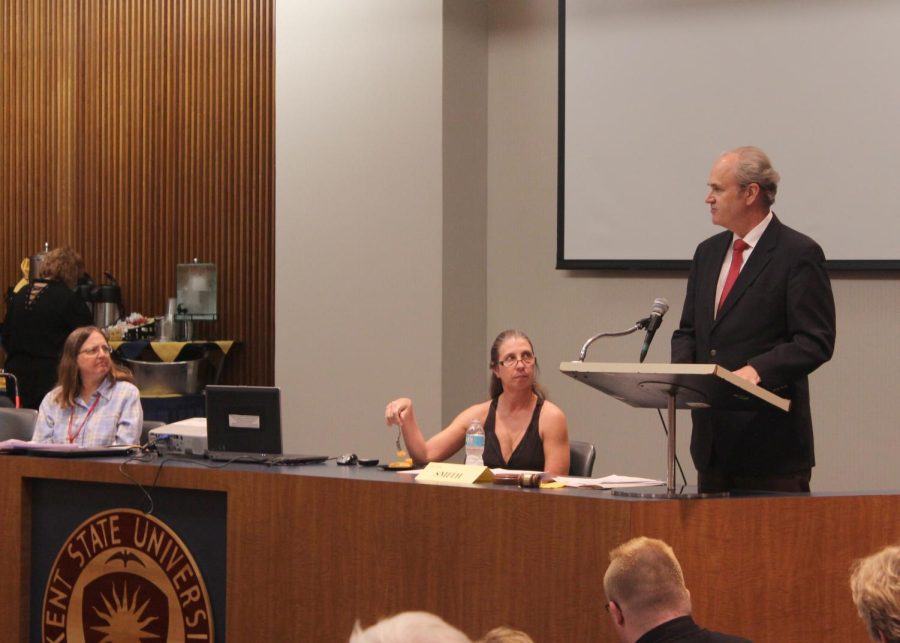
671, 456
640, 324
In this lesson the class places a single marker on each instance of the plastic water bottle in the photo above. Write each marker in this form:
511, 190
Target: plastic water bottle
475, 443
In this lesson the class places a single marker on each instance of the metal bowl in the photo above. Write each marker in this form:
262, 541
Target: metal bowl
170, 378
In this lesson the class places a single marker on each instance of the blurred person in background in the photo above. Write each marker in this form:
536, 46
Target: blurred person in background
39, 318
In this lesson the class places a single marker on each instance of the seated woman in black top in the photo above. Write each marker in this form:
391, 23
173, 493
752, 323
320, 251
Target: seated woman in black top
39, 318
523, 430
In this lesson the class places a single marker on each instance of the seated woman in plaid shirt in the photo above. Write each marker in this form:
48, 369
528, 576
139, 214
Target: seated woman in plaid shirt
95, 403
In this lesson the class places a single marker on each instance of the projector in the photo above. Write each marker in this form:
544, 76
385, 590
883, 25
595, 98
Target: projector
186, 437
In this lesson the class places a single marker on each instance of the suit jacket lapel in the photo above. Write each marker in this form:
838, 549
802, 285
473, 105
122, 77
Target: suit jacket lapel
758, 260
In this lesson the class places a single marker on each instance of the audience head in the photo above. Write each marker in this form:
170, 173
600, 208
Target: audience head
505, 635
496, 387
644, 587
63, 264
875, 585
409, 627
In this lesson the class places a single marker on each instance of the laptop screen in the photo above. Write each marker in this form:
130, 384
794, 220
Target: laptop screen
243, 419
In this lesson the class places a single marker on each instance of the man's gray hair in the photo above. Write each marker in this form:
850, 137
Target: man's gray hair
754, 166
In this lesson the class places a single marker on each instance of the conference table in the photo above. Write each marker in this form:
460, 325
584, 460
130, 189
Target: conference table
302, 553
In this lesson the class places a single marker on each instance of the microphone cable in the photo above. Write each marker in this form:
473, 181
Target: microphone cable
677, 461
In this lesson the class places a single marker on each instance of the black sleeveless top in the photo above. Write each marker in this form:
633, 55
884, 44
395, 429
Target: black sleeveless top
528, 454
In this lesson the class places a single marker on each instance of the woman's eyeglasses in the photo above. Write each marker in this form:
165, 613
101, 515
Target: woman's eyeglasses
510, 361
93, 351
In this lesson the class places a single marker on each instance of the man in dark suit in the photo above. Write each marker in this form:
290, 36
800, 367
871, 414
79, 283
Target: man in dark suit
647, 599
759, 303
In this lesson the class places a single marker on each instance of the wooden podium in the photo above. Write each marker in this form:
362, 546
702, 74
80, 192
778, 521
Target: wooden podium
674, 386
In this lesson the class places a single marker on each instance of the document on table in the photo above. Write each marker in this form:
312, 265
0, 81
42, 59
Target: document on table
14, 445
609, 482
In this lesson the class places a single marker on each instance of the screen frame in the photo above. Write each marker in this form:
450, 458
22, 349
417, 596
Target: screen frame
564, 263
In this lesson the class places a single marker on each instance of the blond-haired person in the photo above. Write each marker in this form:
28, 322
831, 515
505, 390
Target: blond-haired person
875, 585
409, 627
646, 597
505, 635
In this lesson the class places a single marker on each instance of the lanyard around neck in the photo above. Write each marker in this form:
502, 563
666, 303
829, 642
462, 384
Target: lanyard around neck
69, 435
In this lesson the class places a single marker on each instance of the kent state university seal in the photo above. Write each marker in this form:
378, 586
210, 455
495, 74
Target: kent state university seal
123, 575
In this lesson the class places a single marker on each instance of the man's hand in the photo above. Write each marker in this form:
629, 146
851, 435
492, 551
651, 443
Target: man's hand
748, 373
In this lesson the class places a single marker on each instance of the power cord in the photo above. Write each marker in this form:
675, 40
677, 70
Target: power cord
677, 462
146, 455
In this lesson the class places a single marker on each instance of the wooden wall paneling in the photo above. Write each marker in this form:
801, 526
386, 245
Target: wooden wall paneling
143, 135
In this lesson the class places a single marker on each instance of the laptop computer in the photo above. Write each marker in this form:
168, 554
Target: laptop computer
243, 424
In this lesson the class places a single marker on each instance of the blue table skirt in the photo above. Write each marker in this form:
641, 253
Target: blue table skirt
174, 408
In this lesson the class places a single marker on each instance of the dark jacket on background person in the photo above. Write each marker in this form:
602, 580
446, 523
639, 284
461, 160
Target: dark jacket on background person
34, 331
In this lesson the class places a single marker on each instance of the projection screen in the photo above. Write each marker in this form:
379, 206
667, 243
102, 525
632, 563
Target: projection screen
652, 91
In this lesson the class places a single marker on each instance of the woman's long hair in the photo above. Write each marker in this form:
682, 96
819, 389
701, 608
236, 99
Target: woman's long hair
69, 376
496, 386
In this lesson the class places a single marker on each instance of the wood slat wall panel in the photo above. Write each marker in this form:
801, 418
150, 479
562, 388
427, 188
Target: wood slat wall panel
142, 134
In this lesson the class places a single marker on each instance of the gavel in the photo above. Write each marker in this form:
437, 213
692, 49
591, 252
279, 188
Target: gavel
523, 480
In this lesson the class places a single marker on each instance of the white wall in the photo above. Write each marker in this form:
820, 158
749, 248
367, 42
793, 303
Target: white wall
362, 278
464, 353
358, 218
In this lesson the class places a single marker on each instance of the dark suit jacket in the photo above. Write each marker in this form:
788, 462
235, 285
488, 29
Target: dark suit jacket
684, 630
780, 319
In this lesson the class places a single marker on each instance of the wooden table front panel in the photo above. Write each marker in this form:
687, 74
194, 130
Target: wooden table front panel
311, 551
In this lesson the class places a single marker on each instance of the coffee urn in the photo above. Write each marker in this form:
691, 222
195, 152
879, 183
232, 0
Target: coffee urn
35, 262
107, 300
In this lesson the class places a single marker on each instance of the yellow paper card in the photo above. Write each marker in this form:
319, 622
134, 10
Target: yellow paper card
552, 485
447, 473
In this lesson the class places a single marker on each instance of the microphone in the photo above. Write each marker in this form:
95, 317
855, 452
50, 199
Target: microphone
660, 306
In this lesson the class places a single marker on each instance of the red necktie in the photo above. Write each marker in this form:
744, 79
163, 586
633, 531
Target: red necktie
737, 258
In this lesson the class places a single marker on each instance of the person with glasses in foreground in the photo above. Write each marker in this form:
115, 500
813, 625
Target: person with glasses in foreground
95, 403
647, 599
522, 429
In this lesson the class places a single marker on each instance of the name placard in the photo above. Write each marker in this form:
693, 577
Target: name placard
447, 473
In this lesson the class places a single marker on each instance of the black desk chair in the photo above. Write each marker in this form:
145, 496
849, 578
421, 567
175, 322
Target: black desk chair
581, 458
17, 423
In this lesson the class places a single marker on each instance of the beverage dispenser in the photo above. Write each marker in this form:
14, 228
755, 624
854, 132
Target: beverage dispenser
107, 300
195, 296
